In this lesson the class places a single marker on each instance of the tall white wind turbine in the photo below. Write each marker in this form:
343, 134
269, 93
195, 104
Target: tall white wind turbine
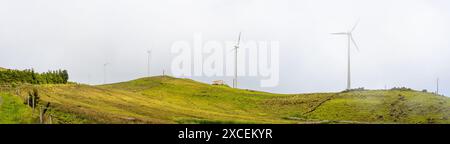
104, 72
437, 86
149, 52
350, 41
236, 47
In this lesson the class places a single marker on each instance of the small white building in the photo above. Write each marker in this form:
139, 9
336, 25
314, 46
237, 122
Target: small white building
218, 82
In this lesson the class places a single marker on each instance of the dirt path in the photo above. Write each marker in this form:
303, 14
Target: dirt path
320, 104
397, 109
317, 121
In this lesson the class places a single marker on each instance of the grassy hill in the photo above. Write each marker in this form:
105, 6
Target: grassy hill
2, 69
172, 100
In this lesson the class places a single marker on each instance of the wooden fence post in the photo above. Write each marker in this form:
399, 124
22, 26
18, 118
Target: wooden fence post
41, 115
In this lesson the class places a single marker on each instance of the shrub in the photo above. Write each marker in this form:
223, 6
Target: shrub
402, 89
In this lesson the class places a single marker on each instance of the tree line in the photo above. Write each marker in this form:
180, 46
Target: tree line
29, 76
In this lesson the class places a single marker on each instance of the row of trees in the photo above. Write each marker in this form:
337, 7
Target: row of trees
29, 76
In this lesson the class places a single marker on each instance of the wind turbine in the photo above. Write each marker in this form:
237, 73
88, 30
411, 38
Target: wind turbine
149, 52
236, 47
350, 41
437, 86
104, 72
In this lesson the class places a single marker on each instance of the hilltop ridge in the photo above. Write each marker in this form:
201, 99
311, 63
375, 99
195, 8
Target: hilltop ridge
165, 99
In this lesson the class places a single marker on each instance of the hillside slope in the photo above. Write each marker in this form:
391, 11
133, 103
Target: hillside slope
12, 110
172, 100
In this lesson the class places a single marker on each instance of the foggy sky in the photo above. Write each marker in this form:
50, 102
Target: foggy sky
402, 42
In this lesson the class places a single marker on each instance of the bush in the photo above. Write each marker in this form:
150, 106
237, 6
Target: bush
355, 89
33, 98
402, 89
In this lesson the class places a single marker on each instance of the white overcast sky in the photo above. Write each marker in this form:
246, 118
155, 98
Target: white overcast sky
402, 42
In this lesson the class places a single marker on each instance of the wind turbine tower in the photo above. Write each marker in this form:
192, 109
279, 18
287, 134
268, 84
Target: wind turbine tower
437, 86
104, 72
350, 41
236, 47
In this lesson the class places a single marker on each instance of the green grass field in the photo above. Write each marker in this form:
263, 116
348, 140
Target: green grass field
166, 99
13, 111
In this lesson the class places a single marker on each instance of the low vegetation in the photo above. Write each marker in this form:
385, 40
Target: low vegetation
12, 110
8, 76
166, 99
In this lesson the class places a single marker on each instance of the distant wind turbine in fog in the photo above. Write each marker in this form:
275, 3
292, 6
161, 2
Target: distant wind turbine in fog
236, 47
104, 72
437, 86
350, 41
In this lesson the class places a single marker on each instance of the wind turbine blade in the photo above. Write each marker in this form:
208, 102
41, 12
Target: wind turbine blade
237, 44
239, 39
339, 33
354, 26
354, 43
